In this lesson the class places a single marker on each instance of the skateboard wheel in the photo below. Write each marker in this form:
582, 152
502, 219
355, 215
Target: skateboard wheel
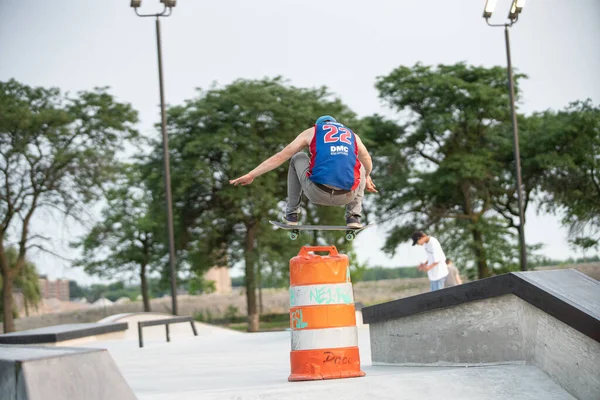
350, 235
294, 235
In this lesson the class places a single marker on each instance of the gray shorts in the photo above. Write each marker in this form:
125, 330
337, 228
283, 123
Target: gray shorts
299, 183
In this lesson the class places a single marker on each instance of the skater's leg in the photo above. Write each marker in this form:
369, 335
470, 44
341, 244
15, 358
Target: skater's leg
296, 175
354, 208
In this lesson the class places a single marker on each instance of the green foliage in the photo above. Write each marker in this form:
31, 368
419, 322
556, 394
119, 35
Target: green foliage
585, 244
357, 269
549, 262
57, 152
568, 144
234, 321
158, 287
220, 135
199, 285
126, 240
237, 281
26, 282
14, 313
498, 243
203, 316
382, 273
231, 312
76, 291
439, 170
112, 291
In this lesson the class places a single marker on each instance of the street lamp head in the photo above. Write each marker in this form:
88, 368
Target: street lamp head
515, 9
169, 3
490, 5
136, 3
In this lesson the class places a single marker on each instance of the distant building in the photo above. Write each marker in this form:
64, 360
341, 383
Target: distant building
220, 275
58, 289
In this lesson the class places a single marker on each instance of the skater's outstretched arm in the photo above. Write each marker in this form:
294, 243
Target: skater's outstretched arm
301, 141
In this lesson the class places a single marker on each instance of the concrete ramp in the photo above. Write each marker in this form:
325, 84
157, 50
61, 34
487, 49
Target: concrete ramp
571, 287
549, 319
60, 373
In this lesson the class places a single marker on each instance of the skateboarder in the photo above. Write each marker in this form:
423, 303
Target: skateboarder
336, 173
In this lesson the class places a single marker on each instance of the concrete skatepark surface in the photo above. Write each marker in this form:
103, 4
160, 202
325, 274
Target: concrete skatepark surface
224, 364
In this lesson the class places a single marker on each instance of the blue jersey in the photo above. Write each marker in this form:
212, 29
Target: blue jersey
334, 157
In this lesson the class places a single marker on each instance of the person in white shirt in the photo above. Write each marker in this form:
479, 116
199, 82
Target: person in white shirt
453, 277
435, 265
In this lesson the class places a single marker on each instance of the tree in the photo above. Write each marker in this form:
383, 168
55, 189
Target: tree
499, 244
584, 243
56, 153
27, 282
125, 241
198, 285
220, 135
76, 291
505, 199
569, 144
442, 163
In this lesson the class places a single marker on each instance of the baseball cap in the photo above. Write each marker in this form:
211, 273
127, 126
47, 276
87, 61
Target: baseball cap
416, 236
324, 119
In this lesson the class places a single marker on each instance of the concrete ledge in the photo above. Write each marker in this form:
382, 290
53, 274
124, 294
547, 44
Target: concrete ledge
50, 373
61, 333
567, 295
548, 319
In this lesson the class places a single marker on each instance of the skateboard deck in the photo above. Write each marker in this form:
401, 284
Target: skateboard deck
295, 229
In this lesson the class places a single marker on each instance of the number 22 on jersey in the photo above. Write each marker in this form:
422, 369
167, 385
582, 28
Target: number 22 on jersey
331, 135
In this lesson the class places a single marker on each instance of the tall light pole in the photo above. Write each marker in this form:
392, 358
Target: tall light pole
513, 17
167, 10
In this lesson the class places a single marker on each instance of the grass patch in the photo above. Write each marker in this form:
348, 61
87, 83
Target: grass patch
264, 326
268, 322
408, 286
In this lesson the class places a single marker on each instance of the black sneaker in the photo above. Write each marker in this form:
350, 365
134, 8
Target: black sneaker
353, 222
290, 219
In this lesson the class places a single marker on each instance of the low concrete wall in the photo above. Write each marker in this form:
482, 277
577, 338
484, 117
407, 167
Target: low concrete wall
569, 357
50, 373
503, 329
473, 333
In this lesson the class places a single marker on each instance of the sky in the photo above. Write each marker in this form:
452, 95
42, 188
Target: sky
79, 45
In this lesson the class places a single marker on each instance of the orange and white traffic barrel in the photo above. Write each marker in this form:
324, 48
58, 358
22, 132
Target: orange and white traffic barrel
322, 317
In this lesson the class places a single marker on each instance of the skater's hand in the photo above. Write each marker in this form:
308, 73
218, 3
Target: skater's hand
243, 180
370, 186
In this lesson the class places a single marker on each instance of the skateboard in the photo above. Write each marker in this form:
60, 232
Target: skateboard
295, 229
